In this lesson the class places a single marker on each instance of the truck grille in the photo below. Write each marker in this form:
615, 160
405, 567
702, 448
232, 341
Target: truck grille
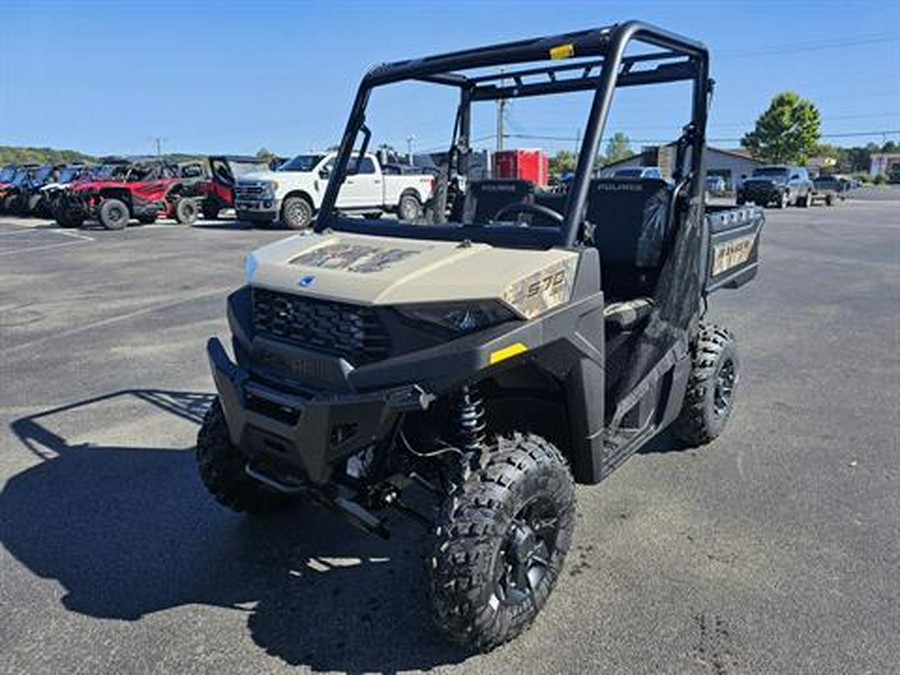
350, 331
248, 191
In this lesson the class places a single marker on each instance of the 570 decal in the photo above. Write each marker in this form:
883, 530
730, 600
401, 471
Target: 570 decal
547, 284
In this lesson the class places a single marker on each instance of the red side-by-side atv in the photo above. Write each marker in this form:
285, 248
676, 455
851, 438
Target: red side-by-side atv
144, 189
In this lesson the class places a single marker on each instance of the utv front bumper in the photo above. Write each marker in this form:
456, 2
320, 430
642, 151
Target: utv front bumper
306, 435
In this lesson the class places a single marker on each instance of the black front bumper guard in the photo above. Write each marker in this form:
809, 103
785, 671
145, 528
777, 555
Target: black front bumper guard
305, 434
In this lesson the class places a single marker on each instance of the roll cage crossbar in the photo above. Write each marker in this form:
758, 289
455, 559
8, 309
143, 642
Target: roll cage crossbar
595, 61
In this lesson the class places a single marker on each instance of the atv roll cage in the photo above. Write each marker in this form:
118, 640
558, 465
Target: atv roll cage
595, 60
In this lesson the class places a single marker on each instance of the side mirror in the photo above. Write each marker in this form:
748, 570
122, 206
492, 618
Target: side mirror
325, 173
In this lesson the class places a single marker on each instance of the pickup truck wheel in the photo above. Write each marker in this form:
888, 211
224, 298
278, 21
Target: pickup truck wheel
829, 200
296, 213
186, 210
806, 201
221, 468
499, 543
709, 398
784, 199
113, 214
409, 208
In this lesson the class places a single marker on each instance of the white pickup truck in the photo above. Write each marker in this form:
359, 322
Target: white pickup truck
293, 193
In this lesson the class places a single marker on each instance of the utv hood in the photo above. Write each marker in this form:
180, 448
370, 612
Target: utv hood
371, 270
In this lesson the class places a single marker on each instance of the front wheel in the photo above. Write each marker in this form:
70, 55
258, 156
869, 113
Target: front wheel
222, 469
709, 398
296, 213
113, 214
500, 542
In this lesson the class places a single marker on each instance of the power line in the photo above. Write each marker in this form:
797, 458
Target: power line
857, 41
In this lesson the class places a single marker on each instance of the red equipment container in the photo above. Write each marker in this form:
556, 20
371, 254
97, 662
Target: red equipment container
523, 164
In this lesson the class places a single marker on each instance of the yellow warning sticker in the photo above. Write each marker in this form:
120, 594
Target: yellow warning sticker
562, 51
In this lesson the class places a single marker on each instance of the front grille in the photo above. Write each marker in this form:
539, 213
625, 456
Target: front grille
248, 191
350, 331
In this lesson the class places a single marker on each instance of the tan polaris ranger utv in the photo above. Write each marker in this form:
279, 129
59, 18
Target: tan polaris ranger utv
512, 343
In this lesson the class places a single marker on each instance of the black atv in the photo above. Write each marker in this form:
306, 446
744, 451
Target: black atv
467, 373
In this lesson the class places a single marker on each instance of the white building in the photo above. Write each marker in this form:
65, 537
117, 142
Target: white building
883, 162
731, 165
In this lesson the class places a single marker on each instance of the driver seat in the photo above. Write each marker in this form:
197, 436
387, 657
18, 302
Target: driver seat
485, 198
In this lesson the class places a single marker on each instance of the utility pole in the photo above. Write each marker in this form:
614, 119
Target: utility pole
501, 115
409, 154
157, 141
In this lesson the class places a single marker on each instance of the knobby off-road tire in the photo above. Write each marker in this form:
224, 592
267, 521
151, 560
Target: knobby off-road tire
222, 470
210, 211
709, 398
296, 213
114, 214
500, 542
186, 211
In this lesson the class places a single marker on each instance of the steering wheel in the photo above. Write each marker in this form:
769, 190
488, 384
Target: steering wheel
537, 209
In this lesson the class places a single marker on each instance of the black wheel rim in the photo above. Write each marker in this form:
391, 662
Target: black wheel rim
527, 551
116, 214
725, 381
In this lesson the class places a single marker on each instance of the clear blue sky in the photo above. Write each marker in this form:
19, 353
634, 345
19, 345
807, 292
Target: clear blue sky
106, 77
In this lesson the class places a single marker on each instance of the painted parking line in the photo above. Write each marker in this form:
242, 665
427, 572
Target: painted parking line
29, 235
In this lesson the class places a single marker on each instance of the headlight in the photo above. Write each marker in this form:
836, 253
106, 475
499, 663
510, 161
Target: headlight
459, 317
250, 266
271, 185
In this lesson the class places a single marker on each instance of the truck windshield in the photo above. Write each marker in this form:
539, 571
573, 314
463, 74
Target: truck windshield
242, 168
770, 172
301, 163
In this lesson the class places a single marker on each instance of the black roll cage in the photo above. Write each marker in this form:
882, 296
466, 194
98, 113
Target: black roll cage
676, 59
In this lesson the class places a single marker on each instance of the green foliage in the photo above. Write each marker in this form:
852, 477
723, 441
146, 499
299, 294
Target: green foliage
881, 179
618, 148
265, 154
788, 132
563, 162
20, 155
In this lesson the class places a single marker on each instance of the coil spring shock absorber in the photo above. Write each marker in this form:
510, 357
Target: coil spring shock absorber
470, 420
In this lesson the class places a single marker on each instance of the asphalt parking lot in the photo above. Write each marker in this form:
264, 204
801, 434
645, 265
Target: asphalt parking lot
774, 550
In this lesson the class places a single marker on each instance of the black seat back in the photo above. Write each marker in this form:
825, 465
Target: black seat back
485, 198
630, 220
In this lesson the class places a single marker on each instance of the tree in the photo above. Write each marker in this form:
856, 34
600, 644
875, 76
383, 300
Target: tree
265, 154
564, 162
788, 132
618, 148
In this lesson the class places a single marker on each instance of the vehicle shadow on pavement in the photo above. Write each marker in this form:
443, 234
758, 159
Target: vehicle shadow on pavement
129, 530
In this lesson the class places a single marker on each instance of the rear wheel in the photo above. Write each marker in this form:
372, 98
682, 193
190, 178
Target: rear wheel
113, 214
500, 542
296, 213
409, 208
709, 398
186, 210
222, 469
805, 201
